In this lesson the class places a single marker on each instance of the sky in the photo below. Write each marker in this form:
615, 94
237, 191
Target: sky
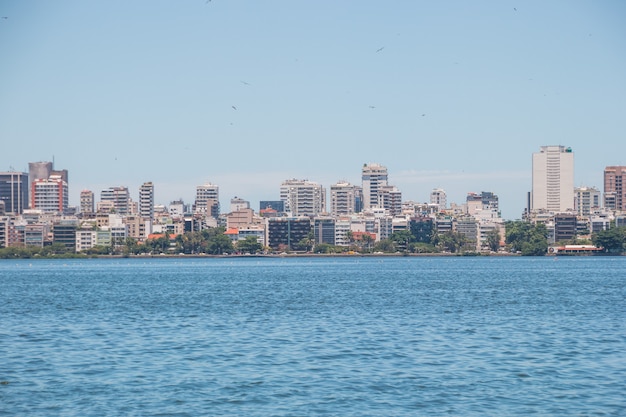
246, 94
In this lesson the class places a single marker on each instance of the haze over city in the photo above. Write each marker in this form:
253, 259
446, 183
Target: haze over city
245, 95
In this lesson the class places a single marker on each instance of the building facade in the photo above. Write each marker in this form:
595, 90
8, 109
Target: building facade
118, 198
343, 198
553, 179
374, 177
50, 195
614, 177
303, 198
146, 200
14, 191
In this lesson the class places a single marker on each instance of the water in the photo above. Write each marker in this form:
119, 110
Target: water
306, 337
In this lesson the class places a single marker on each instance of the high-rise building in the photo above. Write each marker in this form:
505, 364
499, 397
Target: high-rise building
49, 195
586, 199
438, 197
43, 171
14, 191
118, 198
303, 198
614, 192
208, 199
553, 179
374, 176
390, 198
146, 200
343, 198
86, 202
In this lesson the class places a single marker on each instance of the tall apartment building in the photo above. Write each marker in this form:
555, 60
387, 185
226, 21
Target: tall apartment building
373, 177
438, 197
50, 195
344, 198
146, 200
87, 202
303, 198
14, 191
118, 198
43, 171
614, 192
390, 198
208, 199
553, 179
586, 199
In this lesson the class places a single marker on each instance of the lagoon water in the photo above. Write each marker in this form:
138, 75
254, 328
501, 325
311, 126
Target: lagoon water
351, 336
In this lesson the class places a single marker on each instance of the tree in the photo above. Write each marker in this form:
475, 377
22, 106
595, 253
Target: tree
612, 240
249, 245
493, 240
529, 239
219, 245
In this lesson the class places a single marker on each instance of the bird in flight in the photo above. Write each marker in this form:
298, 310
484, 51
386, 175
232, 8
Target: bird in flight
234, 108
380, 49
245, 83
5, 17
372, 107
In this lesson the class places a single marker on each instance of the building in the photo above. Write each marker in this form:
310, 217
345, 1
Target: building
438, 197
64, 232
277, 205
146, 201
303, 198
485, 201
390, 198
14, 191
614, 192
324, 230
553, 179
119, 198
237, 204
43, 171
87, 203
564, 227
285, 233
49, 195
373, 177
208, 200
344, 198
586, 199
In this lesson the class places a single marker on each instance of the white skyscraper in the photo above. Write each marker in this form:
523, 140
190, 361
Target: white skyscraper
374, 177
553, 179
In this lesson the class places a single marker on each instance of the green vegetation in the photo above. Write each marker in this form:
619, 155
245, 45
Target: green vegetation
527, 238
612, 240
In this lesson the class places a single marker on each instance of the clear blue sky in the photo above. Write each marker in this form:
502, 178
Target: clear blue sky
449, 94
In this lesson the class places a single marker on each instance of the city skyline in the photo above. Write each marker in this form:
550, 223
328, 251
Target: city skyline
454, 96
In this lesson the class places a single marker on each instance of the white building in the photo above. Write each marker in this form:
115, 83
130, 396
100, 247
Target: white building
438, 197
50, 195
553, 179
120, 198
374, 177
303, 198
146, 200
207, 199
586, 200
343, 198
